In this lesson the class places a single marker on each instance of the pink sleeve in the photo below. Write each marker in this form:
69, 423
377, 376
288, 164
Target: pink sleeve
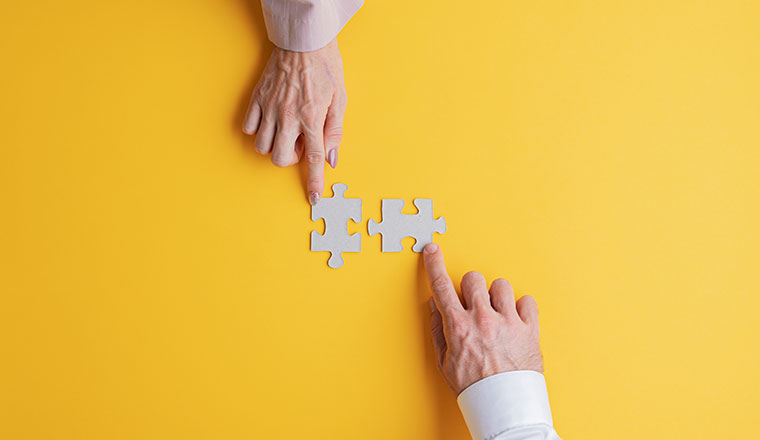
306, 25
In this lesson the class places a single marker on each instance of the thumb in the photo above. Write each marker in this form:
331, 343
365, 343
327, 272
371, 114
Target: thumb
436, 328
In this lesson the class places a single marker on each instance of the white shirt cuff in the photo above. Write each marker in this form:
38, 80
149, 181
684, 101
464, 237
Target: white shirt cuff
505, 401
306, 25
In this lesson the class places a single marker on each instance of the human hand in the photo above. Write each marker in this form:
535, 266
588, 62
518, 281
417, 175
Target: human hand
489, 334
298, 104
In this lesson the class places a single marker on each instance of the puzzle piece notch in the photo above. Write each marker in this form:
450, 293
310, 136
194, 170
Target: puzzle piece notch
396, 226
336, 211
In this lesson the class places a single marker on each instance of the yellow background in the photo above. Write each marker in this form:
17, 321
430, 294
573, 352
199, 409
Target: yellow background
155, 272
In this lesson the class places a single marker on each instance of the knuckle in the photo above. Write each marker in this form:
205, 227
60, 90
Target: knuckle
335, 131
440, 284
459, 328
315, 157
450, 312
488, 327
280, 161
311, 116
287, 112
267, 117
258, 94
268, 104
261, 145
334, 135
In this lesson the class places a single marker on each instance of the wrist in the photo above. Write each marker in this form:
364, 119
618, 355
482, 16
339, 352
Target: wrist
503, 401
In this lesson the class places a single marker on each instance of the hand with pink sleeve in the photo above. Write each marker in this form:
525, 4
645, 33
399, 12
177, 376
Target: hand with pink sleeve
298, 104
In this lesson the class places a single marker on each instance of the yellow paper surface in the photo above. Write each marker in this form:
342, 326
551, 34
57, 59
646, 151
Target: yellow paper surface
155, 274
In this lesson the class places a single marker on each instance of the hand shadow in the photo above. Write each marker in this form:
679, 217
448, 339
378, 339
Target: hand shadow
450, 424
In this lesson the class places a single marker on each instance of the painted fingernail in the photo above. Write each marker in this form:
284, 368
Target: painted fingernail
313, 198
431, 248
332, 157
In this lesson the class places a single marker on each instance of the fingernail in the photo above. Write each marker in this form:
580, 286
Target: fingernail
313, 198
431, 304
332, 157
431, 248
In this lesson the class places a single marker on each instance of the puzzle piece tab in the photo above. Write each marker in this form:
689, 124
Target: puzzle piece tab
396, 226
336, 211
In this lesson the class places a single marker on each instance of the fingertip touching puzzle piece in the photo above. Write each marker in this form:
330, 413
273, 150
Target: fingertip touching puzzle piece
336, 211
395, 226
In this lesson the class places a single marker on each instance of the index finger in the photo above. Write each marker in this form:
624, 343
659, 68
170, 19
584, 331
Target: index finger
443, 289
315, 160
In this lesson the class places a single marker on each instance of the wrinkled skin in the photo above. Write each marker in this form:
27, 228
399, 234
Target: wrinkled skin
297, 107
489, 334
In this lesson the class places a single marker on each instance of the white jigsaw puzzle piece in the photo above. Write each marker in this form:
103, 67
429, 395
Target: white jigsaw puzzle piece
396, 226
336, 211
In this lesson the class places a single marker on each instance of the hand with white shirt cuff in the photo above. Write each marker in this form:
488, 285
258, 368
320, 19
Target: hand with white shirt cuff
487, 349
298, 104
